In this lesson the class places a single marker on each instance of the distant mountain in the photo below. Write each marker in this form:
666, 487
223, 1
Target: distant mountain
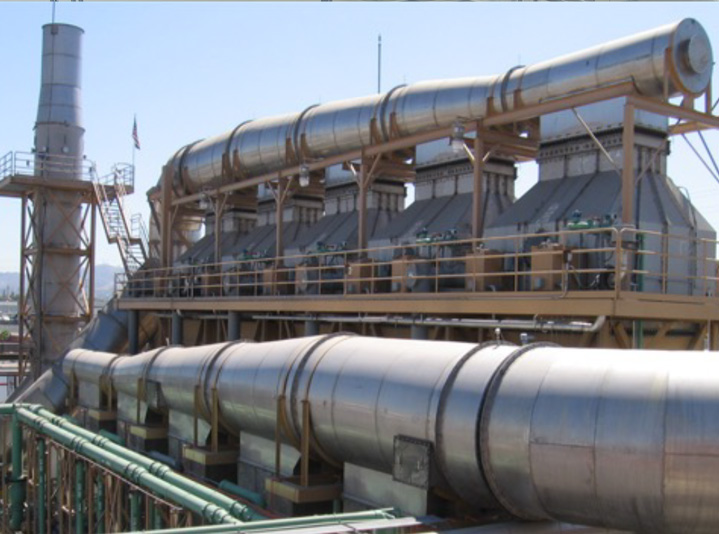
104, 281
9, 283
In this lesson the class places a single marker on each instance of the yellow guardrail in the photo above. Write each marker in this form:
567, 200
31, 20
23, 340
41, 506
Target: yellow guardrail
594, 259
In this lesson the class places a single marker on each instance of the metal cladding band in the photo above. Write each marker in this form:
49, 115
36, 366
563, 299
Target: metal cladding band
610, 438
678, 56
458, 397
490, 394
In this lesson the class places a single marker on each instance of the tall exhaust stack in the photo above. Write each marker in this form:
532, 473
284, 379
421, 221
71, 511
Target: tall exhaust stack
57, 297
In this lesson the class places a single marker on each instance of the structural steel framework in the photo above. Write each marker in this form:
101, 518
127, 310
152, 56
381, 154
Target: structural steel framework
18, 180
514, 134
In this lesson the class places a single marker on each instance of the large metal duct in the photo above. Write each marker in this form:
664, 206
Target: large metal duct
268, 144
57, 218
106, 332
610, 438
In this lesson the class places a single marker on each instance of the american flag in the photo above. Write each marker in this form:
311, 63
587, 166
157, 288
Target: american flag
134, 134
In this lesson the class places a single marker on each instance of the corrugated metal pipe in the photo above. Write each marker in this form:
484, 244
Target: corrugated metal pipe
623, 439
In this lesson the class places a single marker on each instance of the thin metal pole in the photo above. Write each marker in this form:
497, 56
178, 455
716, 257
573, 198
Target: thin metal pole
478, 185
151, 514
42, 486
379, 63
135, 511
22, 356
628, 167
17, 491
93, 227
4, 475
80, 527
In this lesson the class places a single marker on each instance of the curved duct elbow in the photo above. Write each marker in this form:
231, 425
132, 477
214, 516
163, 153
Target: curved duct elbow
679, 53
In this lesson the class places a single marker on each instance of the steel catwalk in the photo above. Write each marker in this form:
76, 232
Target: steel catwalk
616, 439
680, 53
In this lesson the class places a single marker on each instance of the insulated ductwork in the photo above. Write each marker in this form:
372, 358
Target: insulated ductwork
611, 438
679, 53
106, 332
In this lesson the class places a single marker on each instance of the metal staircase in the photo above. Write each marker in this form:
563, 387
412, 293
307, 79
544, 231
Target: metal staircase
128, 233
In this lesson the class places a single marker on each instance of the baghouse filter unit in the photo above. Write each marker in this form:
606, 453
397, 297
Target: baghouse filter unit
676, 59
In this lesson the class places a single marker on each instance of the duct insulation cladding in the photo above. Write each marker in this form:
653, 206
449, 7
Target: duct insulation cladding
620, 439
676, 57
56, 290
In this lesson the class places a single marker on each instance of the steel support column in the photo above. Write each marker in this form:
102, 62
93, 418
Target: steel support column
166, 217
234, 326
362, 208
80, 519
176, 328
42, 487
17, 490
312, 327
135, 524
478, 185
133, 331
418, 331
628, 165
100, 503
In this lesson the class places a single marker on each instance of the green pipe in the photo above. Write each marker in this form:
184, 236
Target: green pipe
41, 487
70, 419
156, 468
17, 490
80, 508
154, 515
119, 460
112, 437
307, 521
244, 493
99, 504
127, 469
135, 510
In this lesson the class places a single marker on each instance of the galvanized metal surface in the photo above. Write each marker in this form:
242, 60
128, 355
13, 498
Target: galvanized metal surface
624, 439
617, 439
57, 217
268, 144
660, 208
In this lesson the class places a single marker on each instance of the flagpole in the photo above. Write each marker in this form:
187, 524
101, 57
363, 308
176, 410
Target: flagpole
134, 148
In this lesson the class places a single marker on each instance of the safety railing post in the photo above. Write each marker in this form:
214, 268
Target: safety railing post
17, 490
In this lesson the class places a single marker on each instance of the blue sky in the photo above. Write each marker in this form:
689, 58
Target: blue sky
192, 70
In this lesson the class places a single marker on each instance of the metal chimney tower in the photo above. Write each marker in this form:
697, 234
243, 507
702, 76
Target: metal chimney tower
57, 299
54, 183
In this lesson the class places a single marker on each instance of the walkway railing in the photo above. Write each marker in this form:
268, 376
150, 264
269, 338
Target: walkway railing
38, 164
593, 259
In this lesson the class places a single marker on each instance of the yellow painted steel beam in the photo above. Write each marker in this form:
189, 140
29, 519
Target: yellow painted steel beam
577, 304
